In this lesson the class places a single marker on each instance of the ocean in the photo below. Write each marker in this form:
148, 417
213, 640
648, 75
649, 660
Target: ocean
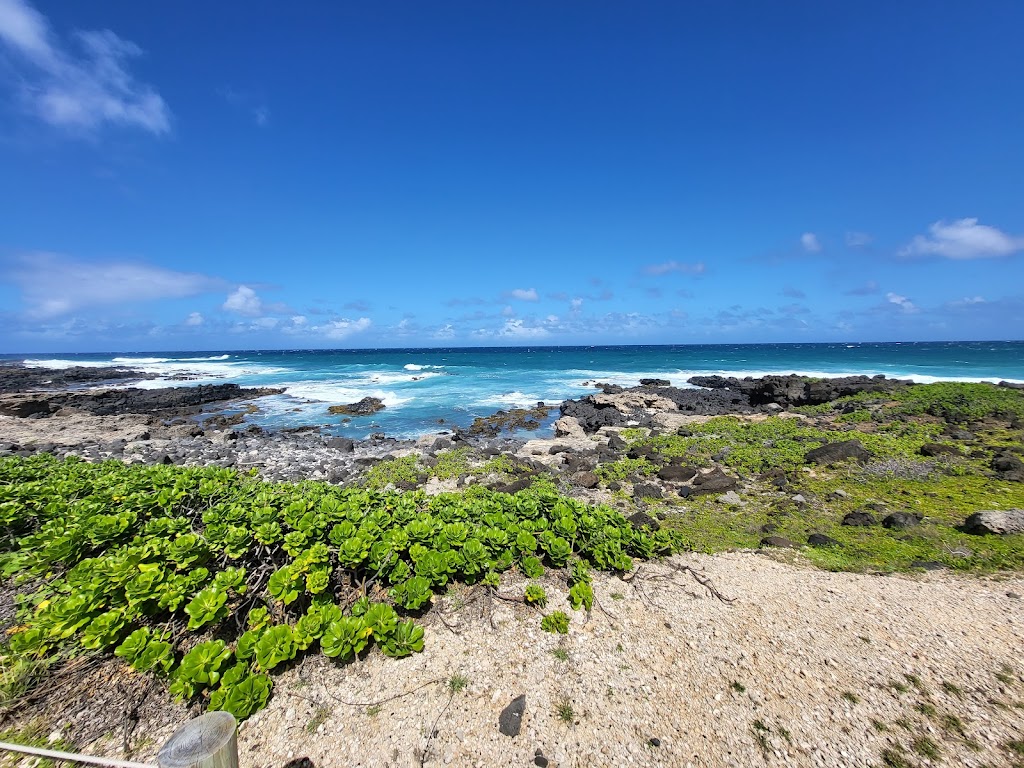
429, 390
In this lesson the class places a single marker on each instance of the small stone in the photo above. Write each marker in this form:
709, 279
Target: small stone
654, 741
510, 721
799, 499
1013, 595
540, 760
731, 497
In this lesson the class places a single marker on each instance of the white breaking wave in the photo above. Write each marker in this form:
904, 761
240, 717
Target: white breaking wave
339, 394
62, 364
397, 378
512, 400
417, 367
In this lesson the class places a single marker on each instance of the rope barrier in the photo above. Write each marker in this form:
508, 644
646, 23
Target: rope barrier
72, 757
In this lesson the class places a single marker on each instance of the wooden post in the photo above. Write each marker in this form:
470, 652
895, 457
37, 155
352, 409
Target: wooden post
208, 741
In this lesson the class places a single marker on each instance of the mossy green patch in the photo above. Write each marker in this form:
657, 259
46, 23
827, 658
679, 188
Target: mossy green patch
623, 468
402, 469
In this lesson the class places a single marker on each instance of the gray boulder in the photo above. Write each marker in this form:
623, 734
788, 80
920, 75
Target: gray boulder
833, 453
996, 521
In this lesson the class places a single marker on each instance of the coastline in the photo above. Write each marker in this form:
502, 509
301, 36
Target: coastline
820, 660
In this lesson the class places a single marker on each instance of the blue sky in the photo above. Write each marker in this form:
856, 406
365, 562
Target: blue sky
178, 176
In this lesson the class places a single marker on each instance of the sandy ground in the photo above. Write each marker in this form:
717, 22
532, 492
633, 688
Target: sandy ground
793, 672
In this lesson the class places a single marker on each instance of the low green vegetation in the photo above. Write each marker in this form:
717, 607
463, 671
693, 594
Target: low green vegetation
942, 490
565, 712
452, 464
556, 622
213, 580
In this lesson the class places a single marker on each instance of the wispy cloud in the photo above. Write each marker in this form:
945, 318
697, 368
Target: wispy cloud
869, 288
524, 294
446, 331
78, 90
248, 103
858, 239
339, 329
902, 302
515, 329
963, 239
810, 242
967, 301
696, 268
793, 293
244, 301
195, 319
53, 285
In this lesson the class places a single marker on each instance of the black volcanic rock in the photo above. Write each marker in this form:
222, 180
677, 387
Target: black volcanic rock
15, 377
791, 390
108, 402
365, 407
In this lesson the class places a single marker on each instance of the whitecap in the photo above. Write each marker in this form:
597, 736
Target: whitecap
140, 360
510, 400
339, 394
58, 364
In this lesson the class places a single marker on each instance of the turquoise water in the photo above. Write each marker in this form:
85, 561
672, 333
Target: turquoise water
426, 390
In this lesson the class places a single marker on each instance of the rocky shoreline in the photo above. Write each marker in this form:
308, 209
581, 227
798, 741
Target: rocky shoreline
87, 412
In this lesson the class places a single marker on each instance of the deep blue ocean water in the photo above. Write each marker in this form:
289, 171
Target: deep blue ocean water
422, 387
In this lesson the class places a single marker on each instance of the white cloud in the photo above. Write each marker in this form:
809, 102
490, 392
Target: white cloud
299, 320
516, 330
524, 294
264, 323
696, 268
244, 301
902, 302
968, 301
54, 285
963, 239
576, 305
446, 331
810, 242
858, 239
83, 91
195, 319
339, 329
508, 311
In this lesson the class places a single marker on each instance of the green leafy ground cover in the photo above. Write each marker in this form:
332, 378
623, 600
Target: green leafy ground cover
212, 579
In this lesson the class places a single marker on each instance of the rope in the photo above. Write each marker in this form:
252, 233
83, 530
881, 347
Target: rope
71, 757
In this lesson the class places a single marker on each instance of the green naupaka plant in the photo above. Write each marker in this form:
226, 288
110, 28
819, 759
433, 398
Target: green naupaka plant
128, 553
